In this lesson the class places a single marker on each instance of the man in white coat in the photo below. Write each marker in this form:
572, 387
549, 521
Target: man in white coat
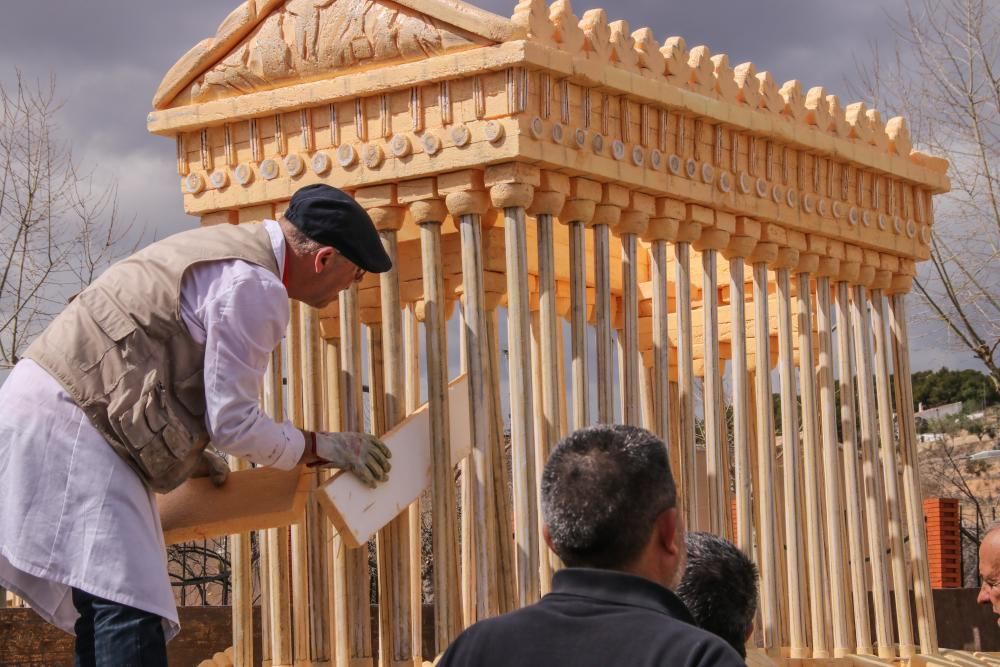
118, 398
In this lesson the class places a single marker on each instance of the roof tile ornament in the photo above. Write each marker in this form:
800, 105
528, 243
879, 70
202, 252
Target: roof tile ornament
566, 30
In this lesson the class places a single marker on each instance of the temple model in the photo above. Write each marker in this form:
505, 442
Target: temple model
686, 218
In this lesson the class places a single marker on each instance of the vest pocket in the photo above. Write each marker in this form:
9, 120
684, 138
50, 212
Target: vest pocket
112, 322
156, 437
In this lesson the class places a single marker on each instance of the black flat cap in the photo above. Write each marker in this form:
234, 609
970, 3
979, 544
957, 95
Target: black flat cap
332, 217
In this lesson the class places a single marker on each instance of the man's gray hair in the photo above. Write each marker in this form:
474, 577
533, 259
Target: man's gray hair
602, 490
297, 241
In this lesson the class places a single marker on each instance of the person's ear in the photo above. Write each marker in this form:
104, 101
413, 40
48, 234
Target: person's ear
667, 526
548, 538
749, 633
323, 257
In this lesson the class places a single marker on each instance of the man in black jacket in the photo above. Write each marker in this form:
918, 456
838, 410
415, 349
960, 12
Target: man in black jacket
609, 505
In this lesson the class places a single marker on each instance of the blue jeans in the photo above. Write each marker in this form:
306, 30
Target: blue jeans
109, 634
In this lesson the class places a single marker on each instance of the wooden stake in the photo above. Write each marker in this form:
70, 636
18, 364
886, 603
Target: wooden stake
299, 536
578, 324
828, 413
926, 624
811, 478
685, 386
629, 377
900, 584
852, 480
278, 570
874, 493
661, 343
316, 526
481, 565
538, 432
768, 545
717, 477
447, 610
791, 457
602, 310
522, 445
352, 616
506, 568
242, 583
741, 409
411, 346
392, 542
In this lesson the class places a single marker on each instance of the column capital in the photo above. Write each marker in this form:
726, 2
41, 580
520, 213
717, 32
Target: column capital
764, 252
661, 229
901, 283
387, 218
581, 201
786, 258
882, 279
426, 211
473, 202
808, 263
550, 195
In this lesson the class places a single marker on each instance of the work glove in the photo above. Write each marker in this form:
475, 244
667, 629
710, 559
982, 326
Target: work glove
212, 465
362, 454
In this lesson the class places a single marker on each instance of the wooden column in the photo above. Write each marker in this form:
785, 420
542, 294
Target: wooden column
848, 271
548, 200
299, 539
429, 214
900, 583
316, 526
810, 448
242, 585
631, 225
511, 189
411, 381
926, 624
791, 457
275, 540
659, 230
769, 551
688, 230
392, 542
578, 212
829, 267
871, 468
506, 568
467, 202
741, 244
714, 237
606, 215
351, 576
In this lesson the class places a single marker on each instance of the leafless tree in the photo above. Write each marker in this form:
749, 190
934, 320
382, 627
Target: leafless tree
945, 79
946, 472
58, 228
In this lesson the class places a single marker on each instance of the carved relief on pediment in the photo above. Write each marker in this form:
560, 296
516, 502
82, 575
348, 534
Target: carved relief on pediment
307, 39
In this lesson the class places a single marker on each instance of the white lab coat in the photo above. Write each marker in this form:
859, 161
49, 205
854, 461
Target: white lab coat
72, 513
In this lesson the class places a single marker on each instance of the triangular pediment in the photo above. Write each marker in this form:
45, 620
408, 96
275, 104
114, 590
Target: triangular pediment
266, 44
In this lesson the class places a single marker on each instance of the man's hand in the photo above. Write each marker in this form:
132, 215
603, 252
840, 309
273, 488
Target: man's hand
212, 465
360, 453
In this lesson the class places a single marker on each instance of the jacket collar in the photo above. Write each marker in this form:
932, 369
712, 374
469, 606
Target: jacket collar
620, 588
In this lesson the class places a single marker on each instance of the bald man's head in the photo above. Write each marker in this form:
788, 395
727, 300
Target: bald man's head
989, 570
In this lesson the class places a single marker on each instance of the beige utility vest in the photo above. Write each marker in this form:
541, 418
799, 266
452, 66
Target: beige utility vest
124, 354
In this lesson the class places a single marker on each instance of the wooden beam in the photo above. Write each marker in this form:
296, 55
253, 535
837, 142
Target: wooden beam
254, 499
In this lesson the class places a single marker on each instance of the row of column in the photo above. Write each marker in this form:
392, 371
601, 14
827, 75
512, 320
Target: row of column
837, 492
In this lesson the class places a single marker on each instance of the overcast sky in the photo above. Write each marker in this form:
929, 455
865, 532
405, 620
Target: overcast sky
108, 57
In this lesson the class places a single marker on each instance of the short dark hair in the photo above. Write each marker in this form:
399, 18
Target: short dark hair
719, 587
602, 489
